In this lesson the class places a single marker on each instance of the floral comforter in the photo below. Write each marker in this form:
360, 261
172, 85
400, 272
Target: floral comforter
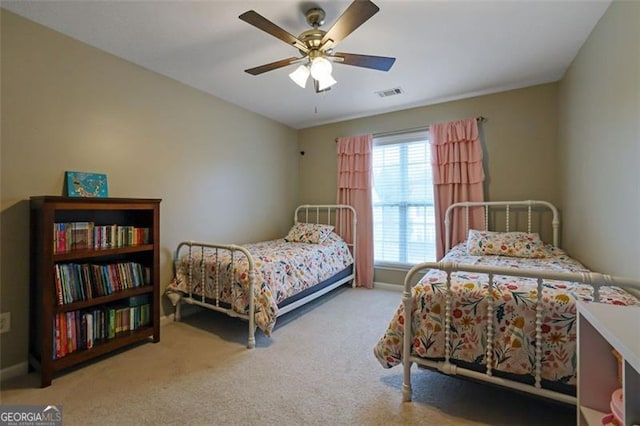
513, 318
283, 269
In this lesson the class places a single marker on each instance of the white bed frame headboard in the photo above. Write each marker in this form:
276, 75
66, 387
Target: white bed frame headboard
331, 214
487, 205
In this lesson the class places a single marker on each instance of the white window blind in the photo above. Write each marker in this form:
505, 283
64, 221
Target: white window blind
403, 211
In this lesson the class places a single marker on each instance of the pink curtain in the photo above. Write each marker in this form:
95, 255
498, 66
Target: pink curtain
456, 159
354, 188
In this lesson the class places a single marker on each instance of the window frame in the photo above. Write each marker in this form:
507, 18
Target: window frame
396, 139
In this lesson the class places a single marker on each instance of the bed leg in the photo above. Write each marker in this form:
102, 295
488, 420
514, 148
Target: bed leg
406, 381
406, 392
407, 303
177, 315
252, 338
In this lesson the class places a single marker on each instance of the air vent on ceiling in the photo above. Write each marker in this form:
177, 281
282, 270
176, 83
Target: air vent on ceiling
390, 92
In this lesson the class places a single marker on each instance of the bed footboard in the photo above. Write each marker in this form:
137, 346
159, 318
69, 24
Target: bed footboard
596, 280
198, 250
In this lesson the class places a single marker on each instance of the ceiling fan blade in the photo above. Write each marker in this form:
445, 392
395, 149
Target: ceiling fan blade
381, 63
254, 18
272, 66
356, 14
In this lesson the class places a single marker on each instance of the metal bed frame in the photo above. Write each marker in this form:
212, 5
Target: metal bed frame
597, 280
331, 214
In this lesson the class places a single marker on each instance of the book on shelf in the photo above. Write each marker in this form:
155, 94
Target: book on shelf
81, 235
78, 282
57, 336
84, 329
142, 299
111, 325
89, 326
69, 327
58, 284
70, 236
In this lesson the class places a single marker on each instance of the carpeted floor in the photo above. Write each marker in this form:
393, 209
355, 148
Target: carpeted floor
317, 369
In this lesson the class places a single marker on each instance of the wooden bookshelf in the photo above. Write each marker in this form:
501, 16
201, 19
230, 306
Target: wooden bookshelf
44, 298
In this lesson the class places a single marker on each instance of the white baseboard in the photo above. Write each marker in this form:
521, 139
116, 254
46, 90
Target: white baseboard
387, 286
14, 371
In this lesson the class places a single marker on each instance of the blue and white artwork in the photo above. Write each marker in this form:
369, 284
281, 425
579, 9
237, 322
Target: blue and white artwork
83, 184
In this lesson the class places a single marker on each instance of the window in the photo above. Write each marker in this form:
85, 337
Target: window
403, 211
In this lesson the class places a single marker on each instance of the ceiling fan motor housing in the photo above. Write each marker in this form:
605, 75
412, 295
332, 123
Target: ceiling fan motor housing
315, 17
312, 39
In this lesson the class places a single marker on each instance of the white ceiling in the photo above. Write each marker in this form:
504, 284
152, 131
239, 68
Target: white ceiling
445, 50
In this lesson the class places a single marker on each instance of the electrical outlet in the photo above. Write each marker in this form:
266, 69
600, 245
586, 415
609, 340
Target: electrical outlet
5, 322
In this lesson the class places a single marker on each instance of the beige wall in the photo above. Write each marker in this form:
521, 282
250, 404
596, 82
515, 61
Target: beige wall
519, 139
599, 143
224, 174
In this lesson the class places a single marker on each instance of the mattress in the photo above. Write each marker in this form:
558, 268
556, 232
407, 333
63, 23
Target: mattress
514, 317
283, 270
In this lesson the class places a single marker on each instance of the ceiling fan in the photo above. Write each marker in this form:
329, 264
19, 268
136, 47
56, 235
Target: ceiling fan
316, 45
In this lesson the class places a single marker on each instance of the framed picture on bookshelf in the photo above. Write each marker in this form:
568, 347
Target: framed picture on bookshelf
84, 184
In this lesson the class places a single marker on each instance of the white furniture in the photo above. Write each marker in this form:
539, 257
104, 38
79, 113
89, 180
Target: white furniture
601, 328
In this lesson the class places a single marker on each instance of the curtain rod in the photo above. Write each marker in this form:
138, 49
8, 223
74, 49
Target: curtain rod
415, 129
399, 132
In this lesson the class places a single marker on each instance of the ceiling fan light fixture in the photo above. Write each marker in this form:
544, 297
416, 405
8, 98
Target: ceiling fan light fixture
300, 75
321, 68
326, 82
